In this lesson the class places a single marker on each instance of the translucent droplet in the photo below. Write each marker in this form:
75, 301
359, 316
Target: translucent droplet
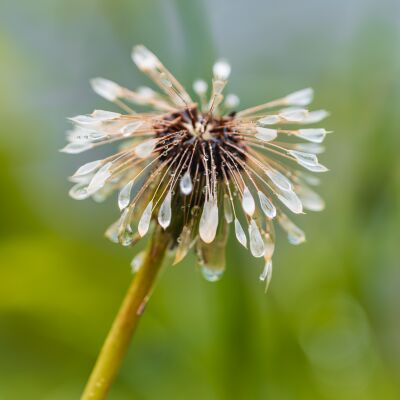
137, 261
209, 221
294, 115
184, 245
126, 238
307, 160
144, 222
227, 209
211, 274
311, 200
266, 205
186, 183
266, 274
310, 148
269, 120
315, 116
165, 212
304, 158
87, 168
295, 234
232, 101
144, 149
106, 88
200, 87
313, 135
240, 235
291, 201
75, 148
100, 178
79, 191
124, 196
112, 232
300, 98
314, 168
256, 241
211, 257
128, 129
221, 70
248, 203
83, 119
102, 115
144, 58
278, 179
146, 92
266, 134
266, 270
269, 245
310, 179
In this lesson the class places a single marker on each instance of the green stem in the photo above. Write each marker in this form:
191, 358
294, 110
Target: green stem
116, 344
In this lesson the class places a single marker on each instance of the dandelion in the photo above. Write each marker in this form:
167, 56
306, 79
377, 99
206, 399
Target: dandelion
189, 169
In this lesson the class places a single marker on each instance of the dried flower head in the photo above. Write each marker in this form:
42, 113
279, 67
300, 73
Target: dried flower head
195, 168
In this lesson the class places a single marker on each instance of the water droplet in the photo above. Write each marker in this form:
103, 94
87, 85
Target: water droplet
184, 245
221, 70
79, 191
232, 101
186, 183
315, 116
144, 222
269, 120
165, 212
137, 261
248, 203
266, 134
112, 232
200, 87
269, 245
313, 135
227, 209
296, 115
266, 274
209, 221
311, 200
83, 119
210, 274
75, 148
130, 128
144, 58
256, 242
124, 195
106, 88
295, 234
310, 148
278, 179
126, 238
102, 115
144, 149
240, 235
266, 205
291, 201
100, 178
300, 98
304, 158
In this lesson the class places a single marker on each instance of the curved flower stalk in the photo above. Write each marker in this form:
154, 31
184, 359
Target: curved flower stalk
189, 170
197, 167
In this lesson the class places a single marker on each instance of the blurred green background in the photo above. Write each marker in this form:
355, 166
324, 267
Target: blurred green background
329, 327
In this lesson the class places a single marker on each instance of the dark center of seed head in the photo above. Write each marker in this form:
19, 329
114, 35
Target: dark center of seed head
217, 143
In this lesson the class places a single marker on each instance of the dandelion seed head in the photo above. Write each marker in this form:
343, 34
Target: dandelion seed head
196, 166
